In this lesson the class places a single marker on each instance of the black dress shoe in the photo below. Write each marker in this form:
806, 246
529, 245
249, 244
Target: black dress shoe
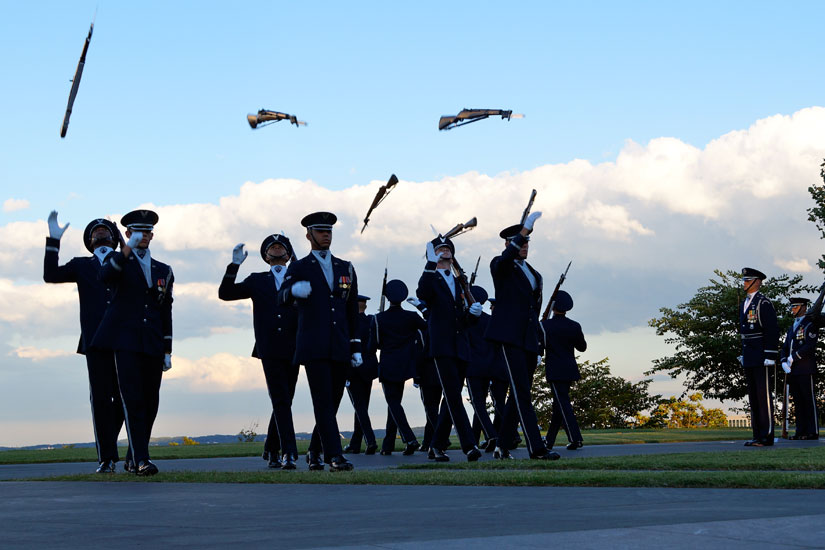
549, 455
265, 456
274, 465
751, 443
410, 448
106, 467
146, 468
385, 453
473, 454
287, 462
350, 450
424, 449
129, 466
371, 448
438, 455
573, 446
502, 454
491, 445
340, 464
809, 437
314, 461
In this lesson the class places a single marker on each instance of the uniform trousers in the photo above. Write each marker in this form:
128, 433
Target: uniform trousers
281, 377
802, 390
451, 372
431, 396
327, 380
359, 394
761, 403
107, 407
563, 416
396, 417
479, 387
139, 376
519, 408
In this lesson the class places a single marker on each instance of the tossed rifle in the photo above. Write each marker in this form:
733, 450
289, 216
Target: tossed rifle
475, 272
460, 276
529, 207
76, 81
382, 193
383, 302
466, 116
265, 118
552, 301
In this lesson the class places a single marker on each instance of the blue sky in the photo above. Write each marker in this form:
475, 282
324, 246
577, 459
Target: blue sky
665, 139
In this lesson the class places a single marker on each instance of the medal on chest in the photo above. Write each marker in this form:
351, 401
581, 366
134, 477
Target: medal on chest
751, 316
800, 334
344, 282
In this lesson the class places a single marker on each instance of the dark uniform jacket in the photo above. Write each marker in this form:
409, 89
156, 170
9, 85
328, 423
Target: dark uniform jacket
801, 343
369, 370
94, 296
395, 332
515, 319
759, 330
327, 319
483, 353
447, 318
139, 319
275, 324
561, 337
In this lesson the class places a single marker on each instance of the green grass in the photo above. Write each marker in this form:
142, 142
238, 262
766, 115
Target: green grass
591, 437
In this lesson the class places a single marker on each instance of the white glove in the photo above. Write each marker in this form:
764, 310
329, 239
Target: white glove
531, 219
135, 239
786, 367
538, 360
741, 359
790, 360
239, 254
301, 289
769, 362
414, 301
356, 360
475, 309
431, 255
55, 231
167, 362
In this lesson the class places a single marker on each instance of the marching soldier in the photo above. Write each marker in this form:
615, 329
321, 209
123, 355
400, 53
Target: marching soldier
326, 291
359, 387
137, 325
799, 363
395, 333
449, 347
275, 327
100, 237
514, 327
426, 381
561, 336
760, 340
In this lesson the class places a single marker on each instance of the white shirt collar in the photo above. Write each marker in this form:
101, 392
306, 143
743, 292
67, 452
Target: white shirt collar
100, 253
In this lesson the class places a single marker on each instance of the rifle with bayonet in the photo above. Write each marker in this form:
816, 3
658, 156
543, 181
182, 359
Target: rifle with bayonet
553, 296
475, 272
466, 116
529, 207
460, 276
383, 302
382, 193
76, 82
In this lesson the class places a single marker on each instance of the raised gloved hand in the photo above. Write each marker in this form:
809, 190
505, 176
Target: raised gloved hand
301, 289
769, 362
475, 309
239, 254
134, 239
55, 231
167, 362
531, 219
786, 366
356, 360
431, 255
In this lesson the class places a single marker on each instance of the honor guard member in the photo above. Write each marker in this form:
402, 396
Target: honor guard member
395, 332
426, 380
760, 340
562, 336
100, 237
514, 327
359, 387
275, 326
799, 363
137, 325
446, 327
326, 291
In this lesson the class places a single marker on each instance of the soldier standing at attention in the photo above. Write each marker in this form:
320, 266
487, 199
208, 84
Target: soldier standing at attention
799, 363
514, 326
100, 237
137, 325
760, 340
326, 291
275, 326
562, 336
359, 387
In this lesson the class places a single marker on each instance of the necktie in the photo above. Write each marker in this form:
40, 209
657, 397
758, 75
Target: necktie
278, 268
323, 254
141, 252
447, 272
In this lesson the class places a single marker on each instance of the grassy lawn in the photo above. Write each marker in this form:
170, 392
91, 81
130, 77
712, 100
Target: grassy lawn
591, 437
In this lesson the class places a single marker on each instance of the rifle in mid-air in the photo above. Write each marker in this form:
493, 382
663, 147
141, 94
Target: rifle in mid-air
76, 82
552, 301
466, 116
265, 118
382, 193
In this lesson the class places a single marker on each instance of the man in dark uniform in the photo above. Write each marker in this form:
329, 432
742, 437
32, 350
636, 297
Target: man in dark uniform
485, 374
514, 327
562, 336
100, 237
760, 340
137, 325
395, 333
275, 327
359, 387
799, 363
426, 381
446, 327
326, 291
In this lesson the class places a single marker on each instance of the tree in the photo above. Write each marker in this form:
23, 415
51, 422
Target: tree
678, 413
599, 399
705, 331
816, 214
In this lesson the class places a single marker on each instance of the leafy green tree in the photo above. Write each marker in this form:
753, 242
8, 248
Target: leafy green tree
599, 399
690, 413
816, 213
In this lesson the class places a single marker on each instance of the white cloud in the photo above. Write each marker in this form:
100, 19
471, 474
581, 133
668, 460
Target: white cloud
38, 354
219, 373
798, 265
13, 205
